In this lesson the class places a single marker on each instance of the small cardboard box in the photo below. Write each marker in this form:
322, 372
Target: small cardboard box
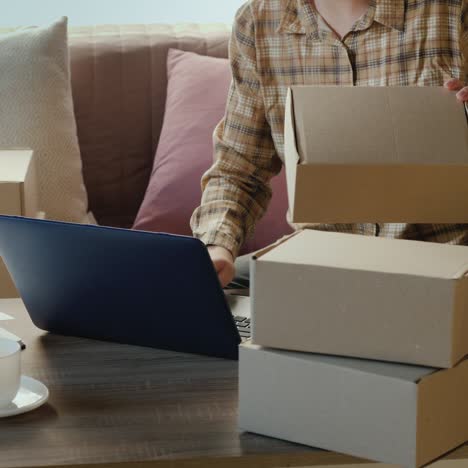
391, 413
370, 297
18, 196
376, 155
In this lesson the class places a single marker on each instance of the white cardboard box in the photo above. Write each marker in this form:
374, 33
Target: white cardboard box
369, 297
18, 196
376, 155
393, 413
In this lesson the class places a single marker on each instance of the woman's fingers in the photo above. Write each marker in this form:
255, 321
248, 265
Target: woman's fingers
224, 264
462, 95
454, 84
457, 85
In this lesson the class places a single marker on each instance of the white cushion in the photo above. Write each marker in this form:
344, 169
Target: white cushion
36, 111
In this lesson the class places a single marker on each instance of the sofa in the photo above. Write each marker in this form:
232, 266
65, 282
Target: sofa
119, 91
119, 84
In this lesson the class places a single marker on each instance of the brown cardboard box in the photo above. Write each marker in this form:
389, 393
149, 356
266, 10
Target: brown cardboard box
18, 196
393, 413
376, 155
368, 297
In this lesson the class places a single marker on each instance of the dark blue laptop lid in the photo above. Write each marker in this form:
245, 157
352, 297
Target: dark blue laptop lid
132, 287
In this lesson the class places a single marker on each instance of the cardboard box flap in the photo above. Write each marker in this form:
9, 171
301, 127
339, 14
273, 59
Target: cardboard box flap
290, 131
353, 252
393, 125
405, 372
292, 155
261, 252
14, 165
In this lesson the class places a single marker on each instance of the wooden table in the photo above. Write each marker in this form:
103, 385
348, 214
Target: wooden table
113, 405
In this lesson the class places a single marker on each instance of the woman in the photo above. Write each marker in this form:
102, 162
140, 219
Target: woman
279, 43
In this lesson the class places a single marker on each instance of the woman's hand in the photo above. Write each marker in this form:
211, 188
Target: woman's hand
223, 262
456, 85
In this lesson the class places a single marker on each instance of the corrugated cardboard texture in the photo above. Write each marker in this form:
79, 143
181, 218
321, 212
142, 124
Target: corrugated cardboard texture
442, 413
10, 198
389, 125
366, 253
379, 194
7, 287
405, 159
361, 408
362, 314
18, 196
30, 199
18, 186
14, 164
368, 297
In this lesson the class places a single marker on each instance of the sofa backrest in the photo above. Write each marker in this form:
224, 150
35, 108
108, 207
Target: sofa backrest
119, 85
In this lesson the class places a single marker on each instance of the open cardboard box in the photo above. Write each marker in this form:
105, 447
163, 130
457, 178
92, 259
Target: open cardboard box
370, 297
18, 196
376, 155
393, 413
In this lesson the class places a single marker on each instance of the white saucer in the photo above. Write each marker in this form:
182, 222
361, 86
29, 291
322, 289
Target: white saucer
30, 396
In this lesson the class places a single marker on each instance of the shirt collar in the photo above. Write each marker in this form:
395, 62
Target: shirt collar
390, 13
299, 17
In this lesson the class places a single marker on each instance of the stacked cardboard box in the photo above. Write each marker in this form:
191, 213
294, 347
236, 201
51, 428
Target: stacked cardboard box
376, 155
358, 343
18, 196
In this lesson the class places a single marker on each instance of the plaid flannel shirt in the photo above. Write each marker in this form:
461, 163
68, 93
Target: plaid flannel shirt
279, 43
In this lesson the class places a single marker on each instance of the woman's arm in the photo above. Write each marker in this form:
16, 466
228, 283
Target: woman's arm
236, 190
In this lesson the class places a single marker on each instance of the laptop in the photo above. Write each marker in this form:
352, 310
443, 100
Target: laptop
133, 287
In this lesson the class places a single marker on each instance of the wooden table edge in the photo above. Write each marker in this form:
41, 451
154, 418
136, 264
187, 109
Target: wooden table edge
297, 460
247, 461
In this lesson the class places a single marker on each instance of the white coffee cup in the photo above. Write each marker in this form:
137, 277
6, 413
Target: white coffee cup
10, 370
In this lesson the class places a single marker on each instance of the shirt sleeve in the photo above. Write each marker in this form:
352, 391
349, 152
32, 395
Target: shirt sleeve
464, 40
236, 190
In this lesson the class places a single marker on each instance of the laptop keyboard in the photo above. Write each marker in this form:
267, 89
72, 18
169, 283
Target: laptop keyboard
243, 326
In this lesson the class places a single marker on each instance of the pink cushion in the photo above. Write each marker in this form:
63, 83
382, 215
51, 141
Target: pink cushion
196, 99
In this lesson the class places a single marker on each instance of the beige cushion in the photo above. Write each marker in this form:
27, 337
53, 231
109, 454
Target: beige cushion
36, 111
